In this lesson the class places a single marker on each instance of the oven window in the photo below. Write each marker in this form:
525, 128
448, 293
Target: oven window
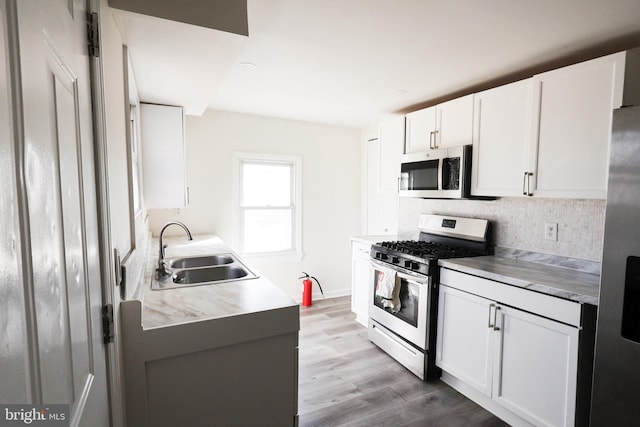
451, 173
419, 175
409, 296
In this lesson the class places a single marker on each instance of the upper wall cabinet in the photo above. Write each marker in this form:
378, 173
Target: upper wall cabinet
391, 136
441, 126
575, 106
548, 136
501, 139
163, 156
383, 172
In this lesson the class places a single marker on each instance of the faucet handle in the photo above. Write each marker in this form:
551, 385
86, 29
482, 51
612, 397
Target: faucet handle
163, 271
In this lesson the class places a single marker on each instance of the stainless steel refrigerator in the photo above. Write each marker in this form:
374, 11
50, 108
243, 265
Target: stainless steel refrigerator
616, 375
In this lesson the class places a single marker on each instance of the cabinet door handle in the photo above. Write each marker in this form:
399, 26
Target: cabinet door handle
526, 184
435, 139
490, 307
431, 140
398, 185
495, 319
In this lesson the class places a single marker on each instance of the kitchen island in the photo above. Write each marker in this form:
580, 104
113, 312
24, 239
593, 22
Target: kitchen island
218, 354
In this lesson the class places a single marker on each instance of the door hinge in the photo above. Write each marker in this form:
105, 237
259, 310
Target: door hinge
107, 323
93, 36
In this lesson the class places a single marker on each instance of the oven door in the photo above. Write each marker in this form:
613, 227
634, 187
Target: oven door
420, 175
410, 322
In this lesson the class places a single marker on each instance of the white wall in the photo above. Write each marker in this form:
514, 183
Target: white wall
331, 198
518, 222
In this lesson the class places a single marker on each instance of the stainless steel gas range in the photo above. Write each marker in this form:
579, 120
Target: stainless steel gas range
403, 291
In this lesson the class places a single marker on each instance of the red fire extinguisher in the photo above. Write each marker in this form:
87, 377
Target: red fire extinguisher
307, 290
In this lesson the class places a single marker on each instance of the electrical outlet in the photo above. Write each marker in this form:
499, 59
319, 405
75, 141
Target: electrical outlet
551, 231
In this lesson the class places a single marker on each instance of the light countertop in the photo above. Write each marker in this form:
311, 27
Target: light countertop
557, 281
189, 304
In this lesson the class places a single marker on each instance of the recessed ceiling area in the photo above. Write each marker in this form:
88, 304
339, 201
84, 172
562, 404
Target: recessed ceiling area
354, 63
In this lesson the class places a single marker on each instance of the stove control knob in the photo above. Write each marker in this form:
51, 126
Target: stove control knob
395, 260
383, 256
407, 264
415, 266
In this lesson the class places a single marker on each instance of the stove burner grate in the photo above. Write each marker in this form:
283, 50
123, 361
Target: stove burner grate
425, 249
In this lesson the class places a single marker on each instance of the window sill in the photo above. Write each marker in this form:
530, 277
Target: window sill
276, 258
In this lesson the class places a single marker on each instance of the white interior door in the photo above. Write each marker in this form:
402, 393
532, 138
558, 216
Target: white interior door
54, 269
13, 388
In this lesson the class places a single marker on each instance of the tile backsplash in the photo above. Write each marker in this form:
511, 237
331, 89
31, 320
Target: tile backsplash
518, 223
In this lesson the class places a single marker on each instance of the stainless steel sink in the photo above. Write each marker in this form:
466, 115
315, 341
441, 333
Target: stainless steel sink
201, 261
203, 270
212, 274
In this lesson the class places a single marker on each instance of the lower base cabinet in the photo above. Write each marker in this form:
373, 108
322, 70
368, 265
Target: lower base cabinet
230, 371
526, 364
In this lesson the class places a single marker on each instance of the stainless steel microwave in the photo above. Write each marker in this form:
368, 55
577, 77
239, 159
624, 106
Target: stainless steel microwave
437, 174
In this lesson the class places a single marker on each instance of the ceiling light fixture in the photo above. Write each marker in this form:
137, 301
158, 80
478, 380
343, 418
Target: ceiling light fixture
248, 65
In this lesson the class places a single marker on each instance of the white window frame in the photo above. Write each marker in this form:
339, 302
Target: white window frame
134, 119
292, 255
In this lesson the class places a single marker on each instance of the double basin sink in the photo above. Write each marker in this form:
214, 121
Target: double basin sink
203, 270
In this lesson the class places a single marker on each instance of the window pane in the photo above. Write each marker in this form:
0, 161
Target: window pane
267, 230
266, 185
134, 160
136, 188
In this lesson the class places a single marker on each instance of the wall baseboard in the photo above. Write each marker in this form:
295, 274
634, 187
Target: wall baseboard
317, 296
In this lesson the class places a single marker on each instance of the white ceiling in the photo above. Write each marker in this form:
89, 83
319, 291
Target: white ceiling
355, 62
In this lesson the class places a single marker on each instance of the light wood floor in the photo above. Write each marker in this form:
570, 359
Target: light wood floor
345, 380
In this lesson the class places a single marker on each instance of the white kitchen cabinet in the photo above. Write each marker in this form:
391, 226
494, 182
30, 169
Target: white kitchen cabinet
501, 139
548, 136
444, 125
575, 106
455, 122
383, 172
236, 370
360, 278
391, 137
535, 367
421, 125
463, 339
163, 156
524, 363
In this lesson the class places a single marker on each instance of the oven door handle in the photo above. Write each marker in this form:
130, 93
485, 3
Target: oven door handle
417, 279
411, 279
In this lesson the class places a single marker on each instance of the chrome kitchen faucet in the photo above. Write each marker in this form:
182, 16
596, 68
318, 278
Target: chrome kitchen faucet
162, 271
